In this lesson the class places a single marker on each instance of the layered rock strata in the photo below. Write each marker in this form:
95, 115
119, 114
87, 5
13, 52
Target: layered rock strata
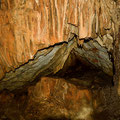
51, 60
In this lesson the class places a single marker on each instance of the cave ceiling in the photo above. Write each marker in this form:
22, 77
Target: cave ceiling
37, 37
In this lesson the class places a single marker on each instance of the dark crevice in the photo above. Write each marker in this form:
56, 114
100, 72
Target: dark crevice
82, 73
46, 48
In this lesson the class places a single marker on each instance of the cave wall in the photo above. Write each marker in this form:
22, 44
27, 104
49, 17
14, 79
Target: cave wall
116, 52
29, 25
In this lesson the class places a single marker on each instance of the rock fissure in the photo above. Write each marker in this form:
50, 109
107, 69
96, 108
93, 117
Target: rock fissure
52, 59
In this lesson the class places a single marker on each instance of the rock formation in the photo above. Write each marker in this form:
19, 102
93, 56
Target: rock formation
40, 38
28, 27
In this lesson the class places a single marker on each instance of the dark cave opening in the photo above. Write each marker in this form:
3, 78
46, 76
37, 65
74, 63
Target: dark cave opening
81, 72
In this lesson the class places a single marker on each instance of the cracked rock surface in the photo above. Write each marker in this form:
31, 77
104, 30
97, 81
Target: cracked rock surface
29, 25
51, 60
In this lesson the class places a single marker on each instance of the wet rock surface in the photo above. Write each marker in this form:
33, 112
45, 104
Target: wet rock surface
72, 95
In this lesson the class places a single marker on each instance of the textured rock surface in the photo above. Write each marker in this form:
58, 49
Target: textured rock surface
52, 99
52, 60
96, 55
46, 62
62, 98
29, 25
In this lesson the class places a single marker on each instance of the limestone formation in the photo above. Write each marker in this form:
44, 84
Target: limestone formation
27, 26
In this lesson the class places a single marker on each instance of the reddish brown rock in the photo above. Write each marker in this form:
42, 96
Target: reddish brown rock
50, 98
57, 99
27, 26
60, 98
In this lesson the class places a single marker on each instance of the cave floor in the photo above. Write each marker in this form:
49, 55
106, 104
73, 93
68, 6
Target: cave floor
73, 94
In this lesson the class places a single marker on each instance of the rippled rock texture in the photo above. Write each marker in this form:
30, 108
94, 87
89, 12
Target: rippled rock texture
29, 25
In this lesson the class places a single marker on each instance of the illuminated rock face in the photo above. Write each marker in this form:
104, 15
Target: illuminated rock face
29, 25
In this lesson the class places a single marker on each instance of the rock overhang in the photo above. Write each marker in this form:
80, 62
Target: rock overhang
27, 27
51, 60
